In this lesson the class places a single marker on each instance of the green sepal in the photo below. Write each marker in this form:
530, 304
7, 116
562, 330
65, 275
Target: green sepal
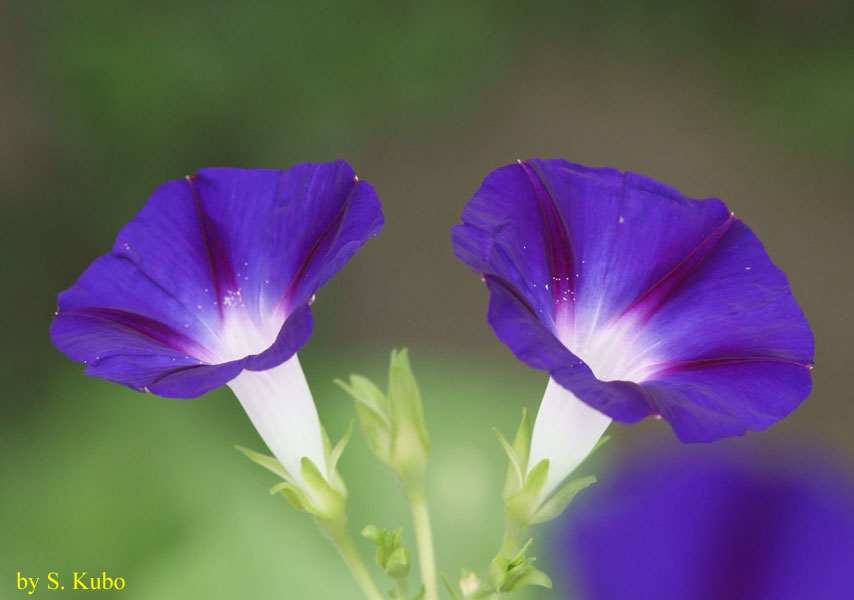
393, 423
326, 502
524, 503
507, 575
555, 505
518, 454
449, 587
398, 563
522, 442
373, 412
391, 555
410, 444
292, 494
333, 455
268, 462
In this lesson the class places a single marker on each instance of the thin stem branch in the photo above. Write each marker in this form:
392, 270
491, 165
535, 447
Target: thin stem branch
424, 540
512, 542
343, 542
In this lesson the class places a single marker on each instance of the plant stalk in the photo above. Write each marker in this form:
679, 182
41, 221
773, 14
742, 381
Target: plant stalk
343, 542
424, 540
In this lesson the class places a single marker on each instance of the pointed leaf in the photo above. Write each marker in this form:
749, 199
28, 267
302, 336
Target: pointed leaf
520, 556
515, 474
292, 494
522, 443
529, 575
398, 563
404, 396
599, 444
268, 462
372, 410
335, 455
381, 543
410, 444
369, 395
555, 505
497, 571
450, 588
525, 502
327, 502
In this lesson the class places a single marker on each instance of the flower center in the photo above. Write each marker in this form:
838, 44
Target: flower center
242, 335
611, 352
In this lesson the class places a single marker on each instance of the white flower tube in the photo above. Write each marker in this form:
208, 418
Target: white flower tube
565, 432
280, 406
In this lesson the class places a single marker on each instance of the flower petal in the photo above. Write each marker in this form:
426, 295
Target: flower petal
286, 233
641, 286
710, 525
217, 268
712, 399
113, 308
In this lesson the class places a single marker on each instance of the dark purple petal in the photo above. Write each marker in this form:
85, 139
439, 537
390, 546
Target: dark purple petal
516, 324
646, 287
216, 268
114, 308
712, 399
707, 525
194, 380
309, 221
736, 303
293, 335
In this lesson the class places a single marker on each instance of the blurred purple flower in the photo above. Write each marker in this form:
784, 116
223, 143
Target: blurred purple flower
712, 527
210, 283
638, 301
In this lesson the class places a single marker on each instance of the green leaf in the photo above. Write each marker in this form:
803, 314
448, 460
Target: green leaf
518, 454
367, 394
555, 505
404, 396
334, 456
372, 411
410, 444
510, 575
268, 462
526, 575
525, 502
380, 538
520, 555
515, 475
391, 556
497, 571
449, 587
398, 563
598, 445
522, 443
326, 502
372, 532
292, 494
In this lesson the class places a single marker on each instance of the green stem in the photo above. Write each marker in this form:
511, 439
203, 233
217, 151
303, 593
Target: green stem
343, 542
402, 588
512, 542
424, 540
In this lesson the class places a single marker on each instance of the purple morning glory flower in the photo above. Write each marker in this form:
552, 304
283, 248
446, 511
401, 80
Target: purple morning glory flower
210, 284
712, 526
638, 301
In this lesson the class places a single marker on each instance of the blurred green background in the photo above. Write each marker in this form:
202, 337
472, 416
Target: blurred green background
101, 102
